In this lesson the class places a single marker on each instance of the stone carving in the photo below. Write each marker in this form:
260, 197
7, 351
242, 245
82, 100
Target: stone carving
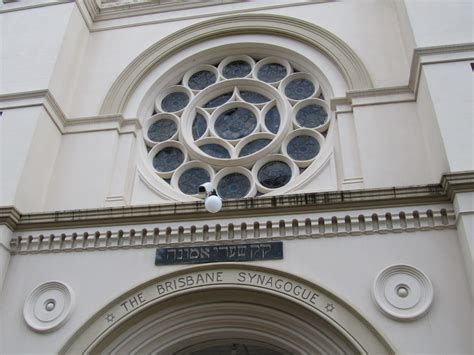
403, 292
48, 306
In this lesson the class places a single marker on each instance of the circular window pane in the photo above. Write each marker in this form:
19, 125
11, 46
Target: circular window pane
191, 179
272, 72
274, 174
219, 100
253, 97
272, 120
174, 102
254, 146
235, 123
237, 69
299, 89
215, 150
311, 116
199, 126
162, 130
201, 79
303, 148
168, 159
234, 185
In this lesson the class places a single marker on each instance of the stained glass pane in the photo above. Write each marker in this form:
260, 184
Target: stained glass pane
199, 126
311, 116
168, 159
253, 97
162, 130
234, 185
274, 174
235, 123
174, 102
236, 69
201, 79
191, 179
299, 89
303, 148
215, 150
271, 72
272, 120
219, 100
254, 146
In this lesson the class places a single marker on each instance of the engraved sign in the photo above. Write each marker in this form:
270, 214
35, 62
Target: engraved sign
219, 253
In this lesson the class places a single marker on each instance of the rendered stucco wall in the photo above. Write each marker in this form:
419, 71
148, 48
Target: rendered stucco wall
57, 153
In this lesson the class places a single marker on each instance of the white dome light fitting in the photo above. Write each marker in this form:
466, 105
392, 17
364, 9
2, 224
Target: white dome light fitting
213, 201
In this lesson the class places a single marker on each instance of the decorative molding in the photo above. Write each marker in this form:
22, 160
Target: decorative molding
102, 10
256, 206
151, 14
435, 55
402, 292
338, 51
48, 306
457, 183
234, 284
405, 93
68, 125
18, 6
9, 216
273, 229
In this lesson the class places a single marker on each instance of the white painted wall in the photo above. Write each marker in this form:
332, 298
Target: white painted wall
69, 63
79, 67
451, 86
391, 145
438, 22
82, 171
39, 166
17, 128
31, 41
346, 266
398, 144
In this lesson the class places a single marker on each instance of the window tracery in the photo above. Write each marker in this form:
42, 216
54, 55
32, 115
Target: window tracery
250, 125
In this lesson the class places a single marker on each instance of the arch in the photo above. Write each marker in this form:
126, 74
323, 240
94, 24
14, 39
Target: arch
215, 291
350, 65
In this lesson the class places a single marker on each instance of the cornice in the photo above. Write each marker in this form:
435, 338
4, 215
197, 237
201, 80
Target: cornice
406, 93
65, 124
10, 7
9, 216
457, 183
259, 206
108, 11
144, 13
434, 55
288, 227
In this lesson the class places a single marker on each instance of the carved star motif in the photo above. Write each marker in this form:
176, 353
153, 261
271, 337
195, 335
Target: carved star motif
329, 307
110, 317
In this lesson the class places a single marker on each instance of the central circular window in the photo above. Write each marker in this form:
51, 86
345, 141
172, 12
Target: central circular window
251, 126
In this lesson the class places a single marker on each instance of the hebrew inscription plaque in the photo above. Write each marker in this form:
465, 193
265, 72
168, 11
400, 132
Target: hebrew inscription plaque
219, 253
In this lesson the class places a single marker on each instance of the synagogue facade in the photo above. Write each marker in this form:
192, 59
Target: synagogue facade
337, 134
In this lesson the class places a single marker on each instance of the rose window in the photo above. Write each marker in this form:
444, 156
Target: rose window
249, 126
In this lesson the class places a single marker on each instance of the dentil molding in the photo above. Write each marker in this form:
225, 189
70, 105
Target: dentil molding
273, 228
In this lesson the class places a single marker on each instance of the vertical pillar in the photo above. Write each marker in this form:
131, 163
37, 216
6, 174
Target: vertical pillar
349, 148
122, 174
464, 209
5, 237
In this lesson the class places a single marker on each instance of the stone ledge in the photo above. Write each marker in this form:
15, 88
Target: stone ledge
168, 234
257, 206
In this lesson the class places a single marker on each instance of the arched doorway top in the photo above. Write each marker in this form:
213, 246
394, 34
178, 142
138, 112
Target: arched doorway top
225, 276
350, 65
